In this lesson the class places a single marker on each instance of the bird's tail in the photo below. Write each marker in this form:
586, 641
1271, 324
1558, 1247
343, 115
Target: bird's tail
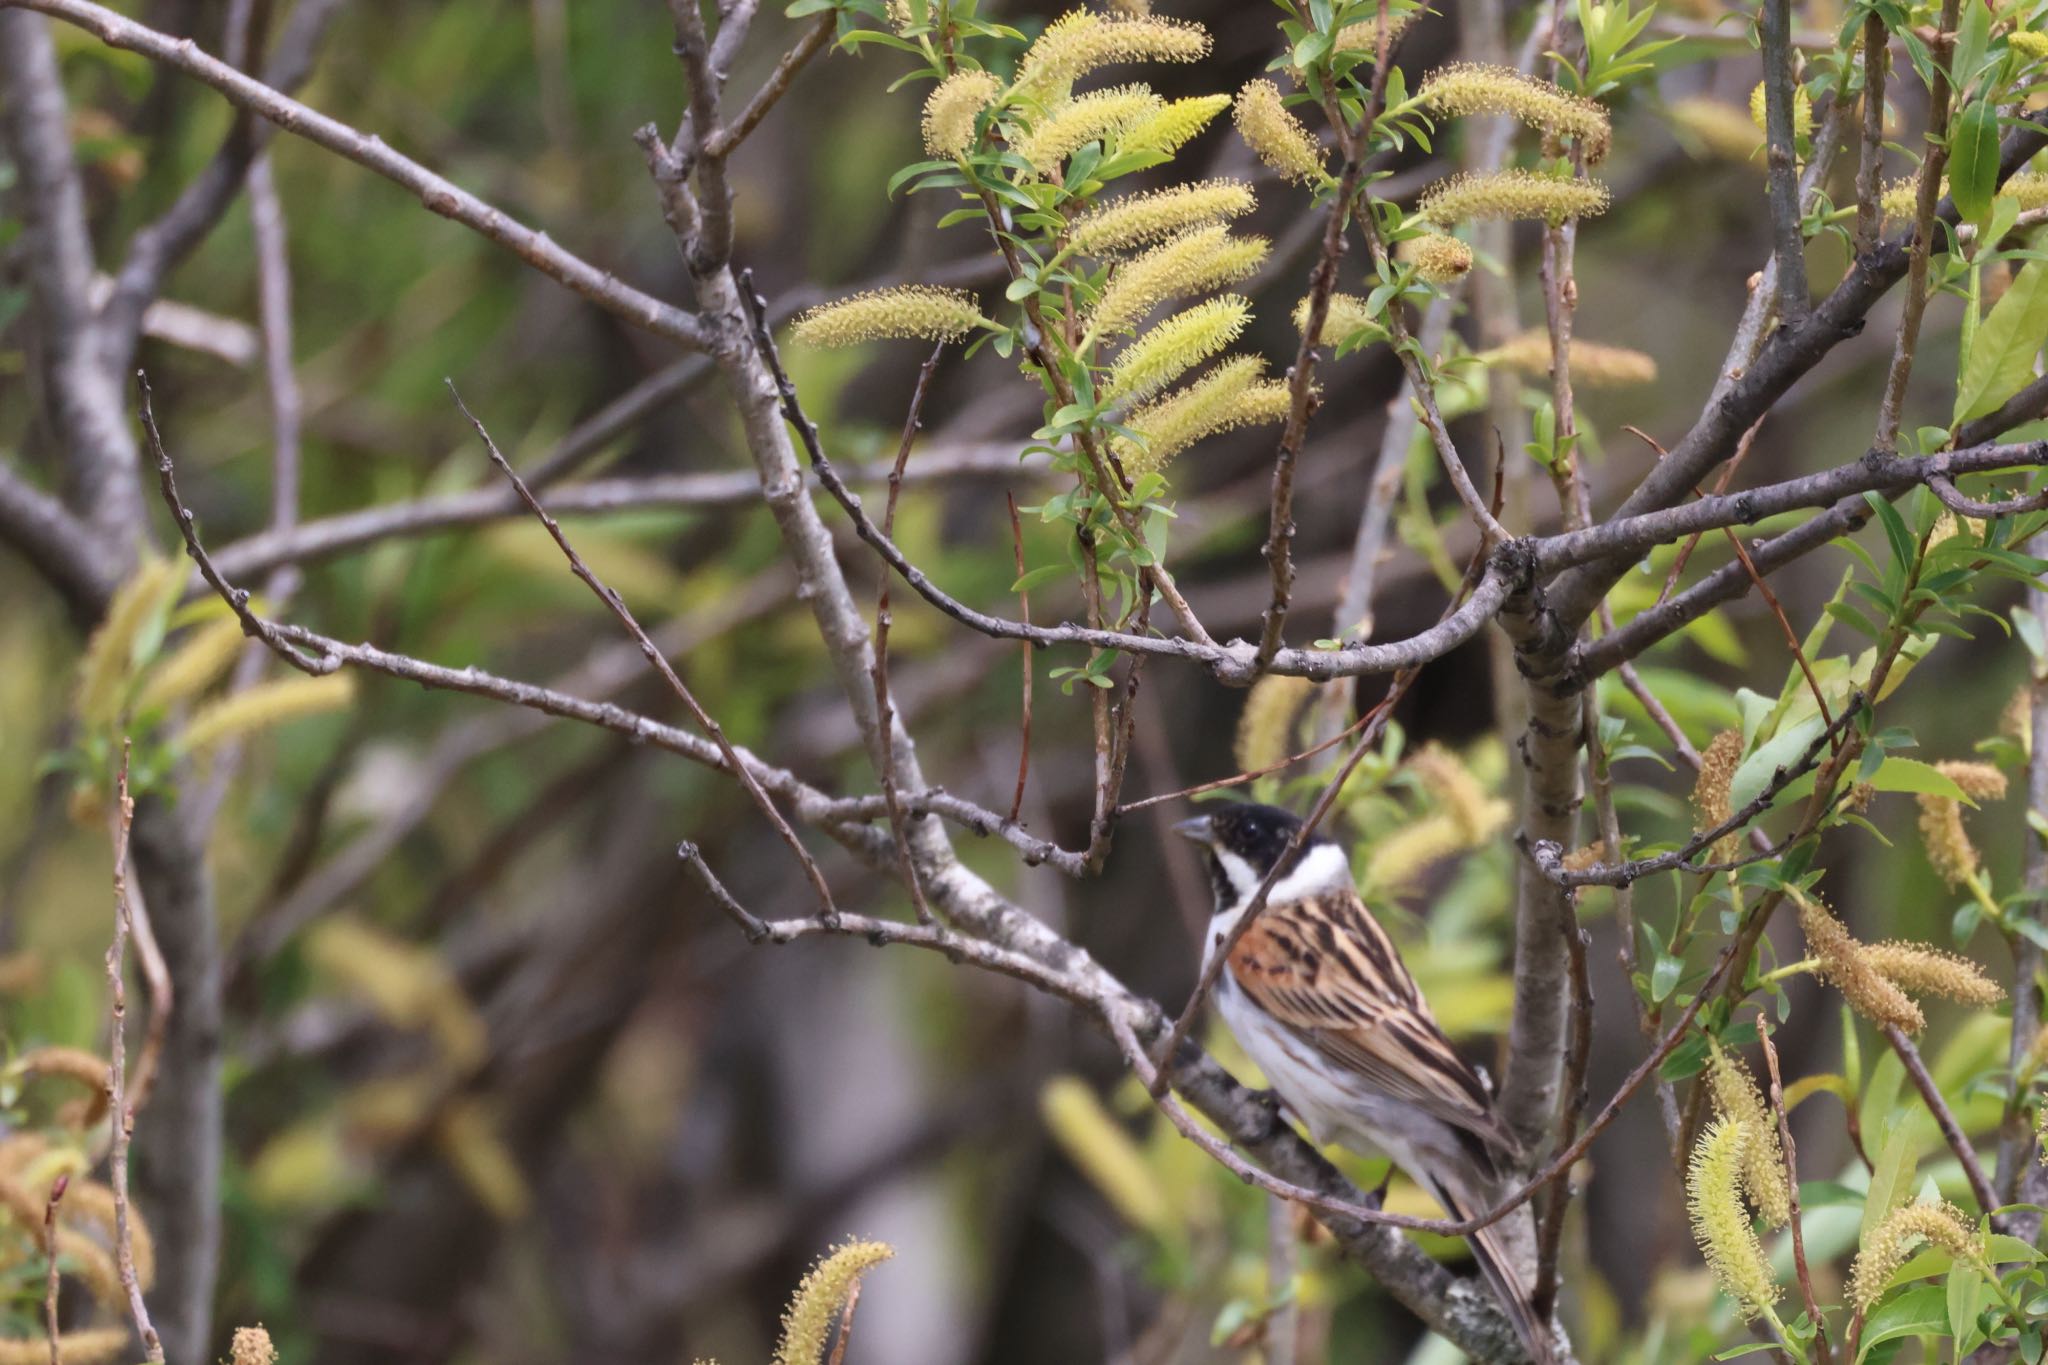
1506, 1254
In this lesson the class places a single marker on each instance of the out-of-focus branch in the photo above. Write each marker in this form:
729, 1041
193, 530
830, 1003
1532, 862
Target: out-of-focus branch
442, 196
329, 536
63, 549
157, 249
726, 138
1945, 1119
123, 1120
85, 407
1788, 243
659, 662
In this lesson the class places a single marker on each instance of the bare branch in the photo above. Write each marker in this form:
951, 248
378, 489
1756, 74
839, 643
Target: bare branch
1945, 1119
438, 194
724, 140
67, 552
1788, 243
123, 1113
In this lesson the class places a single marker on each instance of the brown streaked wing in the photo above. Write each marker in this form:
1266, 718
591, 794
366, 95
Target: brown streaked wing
1325, 968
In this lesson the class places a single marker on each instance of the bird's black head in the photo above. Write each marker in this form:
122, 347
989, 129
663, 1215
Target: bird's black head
1244, 842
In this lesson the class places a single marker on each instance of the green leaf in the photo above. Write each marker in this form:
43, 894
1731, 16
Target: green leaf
1920, 1311
1044, 573
1890, 1180
2002, 355
1973, 160
1664, 977
1911, 775
1964, 1291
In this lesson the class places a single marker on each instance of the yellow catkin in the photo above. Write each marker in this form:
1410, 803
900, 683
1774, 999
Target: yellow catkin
1478, 813
1104, 1151
1720, 1225
1900, 199
1884, 1250
1587, 856
1979, 781
1364, 36
1230, 395
1802, 111
1265, 728
72, 1063
1594, 366
1843, 965
951, 108
819, 1298
1922, 970
2029, 43
109, 654
1137, 219
1276, 136
201, 660
1098, 115
1437, 259
2016, 722
900, 17
1188, 264
1178, 344
1467, 88
1175, 124
912, 310
1736, 1097
1078, 42
1718, 129
2028, 191
1718, 762
1512, 194
1949, 850
93, 1346
252, 1346
1345, 315
1408, 852
265, 706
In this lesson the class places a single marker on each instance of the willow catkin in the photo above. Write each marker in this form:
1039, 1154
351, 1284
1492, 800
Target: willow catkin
1173, 347
951, 109
1079, 42
1174, 124
1232, 394
1190, 263
1923, 970
1718, 762
1594, 366
1844, 966
1737, 1097
1092, 117
1265, 727
912, 310
1512, 194
819, 1298
1138, 219
1467, 88
1437, 259
1276, 136
1884, 1250
1720, 1224
1344, 315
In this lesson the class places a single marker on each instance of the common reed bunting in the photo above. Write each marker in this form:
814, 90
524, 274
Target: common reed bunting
1321, 1001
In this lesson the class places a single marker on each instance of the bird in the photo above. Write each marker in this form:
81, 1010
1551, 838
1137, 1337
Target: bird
1319, 998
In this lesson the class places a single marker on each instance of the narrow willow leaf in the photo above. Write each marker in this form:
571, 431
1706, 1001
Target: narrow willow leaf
2002, 353
1973, 160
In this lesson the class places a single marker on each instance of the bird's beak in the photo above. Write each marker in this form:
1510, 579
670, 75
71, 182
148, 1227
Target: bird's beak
1196, 830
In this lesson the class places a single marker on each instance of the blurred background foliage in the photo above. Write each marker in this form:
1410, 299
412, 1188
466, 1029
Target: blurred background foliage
502, 1087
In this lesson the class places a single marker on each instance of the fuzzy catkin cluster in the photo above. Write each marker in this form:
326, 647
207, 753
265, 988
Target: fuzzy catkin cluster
1171, 126
1191, 263
814, 1309
1085, 119
1265, 728
1718, 762
1720, 1223
1437, 259
1279, 139
1464, 816
952, 107
1949, 850
1364, 35
1079, 42
1137, 219
1874, 978
1514, 194
911, 310
1594, 366
1884, 1250
1737, 1099
1468, 88
1175, 346
1234, 393
1344, 314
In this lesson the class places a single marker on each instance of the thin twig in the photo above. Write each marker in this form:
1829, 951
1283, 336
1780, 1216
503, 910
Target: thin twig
724, 140
50, 1273
123, 1115
1825, 1355
845, 1335
1024, 707
1945, 1119
657, 660
886, 768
